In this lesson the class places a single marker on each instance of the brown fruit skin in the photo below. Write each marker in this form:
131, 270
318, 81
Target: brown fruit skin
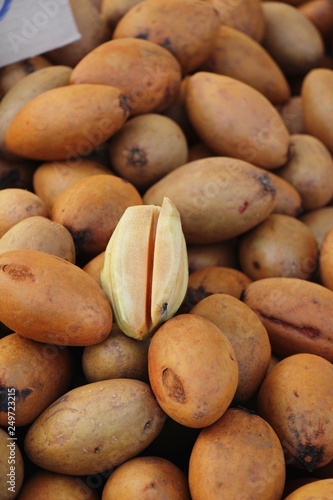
39, 233
146, 73
17, 204
50, 179
62, 126
237, 55
118, 356
147, 478
146, 148
95, 427
320, 221
45, 484
291, 38
91, 229
317, 115
54, 301
14, 72
94, 31
320, 13
222, 254
279, 246
218, 198
94, 267
236, 120
5, 457
296, 399
244, 15
288, 201
294, 313
163, 21
291, 113
214, 279
113, 10
246, 334
239, 456
315, 490
39, 373
24, 91
315, 186
326, 260
192, 398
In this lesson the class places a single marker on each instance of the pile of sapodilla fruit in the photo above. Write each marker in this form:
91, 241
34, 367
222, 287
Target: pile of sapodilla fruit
226, 108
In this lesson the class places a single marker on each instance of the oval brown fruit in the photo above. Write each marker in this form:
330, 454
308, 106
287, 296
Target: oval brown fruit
163, 21
95, 427
62, 125
218, 198
291, 38
315, 490
236, 120
246, 334
54, 301
237, 55
239, 456
294, 313
148, 74
296, 399
38, 374
10, 450
279, 246
147, 478
317, 112
45, 484
192, 398
90, 209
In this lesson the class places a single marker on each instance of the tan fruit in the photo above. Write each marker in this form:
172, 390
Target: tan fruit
320, 13
237, 55
147, 148
145, 271
17, 204
314, 490
10, 456
222, 254
288, 201
12, 73
24, 91
194, 398
326, 260
118, 356
296, 399
163, 21
279, 246
62, 126
317, 114
314, 185
244, 15
291, 38
39, 233
239, 456
93, 28
54, 301
294, 313
218, 198
247, 335
320, 221
95, 427
291, 113
236, 120
90, 228
45, 484
39, 373
146, 73
50, 179
214, 279
113, 10
94, 267
147, 478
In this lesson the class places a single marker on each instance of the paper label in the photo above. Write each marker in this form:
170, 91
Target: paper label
31, 27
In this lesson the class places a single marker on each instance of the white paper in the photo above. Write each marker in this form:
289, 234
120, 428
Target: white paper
31, 27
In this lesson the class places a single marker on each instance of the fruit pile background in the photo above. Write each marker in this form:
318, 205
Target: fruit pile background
225, 107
